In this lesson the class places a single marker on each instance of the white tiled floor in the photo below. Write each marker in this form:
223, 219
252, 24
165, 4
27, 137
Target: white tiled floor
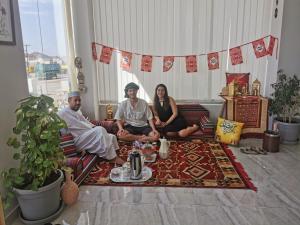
277, 201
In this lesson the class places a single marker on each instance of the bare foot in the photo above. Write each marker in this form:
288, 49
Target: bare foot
143, 138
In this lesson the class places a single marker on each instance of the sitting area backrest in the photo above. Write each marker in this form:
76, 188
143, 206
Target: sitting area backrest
67, 144
192, 113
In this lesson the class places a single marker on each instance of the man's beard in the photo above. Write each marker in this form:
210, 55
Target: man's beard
76, 108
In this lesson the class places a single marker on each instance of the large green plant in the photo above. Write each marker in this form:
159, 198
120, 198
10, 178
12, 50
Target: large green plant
285, 101
36, 139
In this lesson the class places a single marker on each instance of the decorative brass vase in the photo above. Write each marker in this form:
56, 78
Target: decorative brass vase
70, 190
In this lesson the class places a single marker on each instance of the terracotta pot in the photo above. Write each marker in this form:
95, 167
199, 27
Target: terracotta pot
70, 190
2, 221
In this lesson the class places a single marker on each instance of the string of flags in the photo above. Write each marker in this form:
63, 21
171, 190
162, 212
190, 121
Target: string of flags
236, 56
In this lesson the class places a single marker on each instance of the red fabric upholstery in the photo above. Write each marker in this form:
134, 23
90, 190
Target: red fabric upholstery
76, 164
67, 144
192, 113
81, 165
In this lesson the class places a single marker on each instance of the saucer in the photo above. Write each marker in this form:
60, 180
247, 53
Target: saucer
116, 171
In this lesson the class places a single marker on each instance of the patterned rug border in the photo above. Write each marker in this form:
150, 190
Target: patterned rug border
237, 165
239, 168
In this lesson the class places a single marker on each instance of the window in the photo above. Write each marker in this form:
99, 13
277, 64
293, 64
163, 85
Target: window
46, 55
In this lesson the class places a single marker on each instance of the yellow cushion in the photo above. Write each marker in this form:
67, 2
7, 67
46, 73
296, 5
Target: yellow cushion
228, 131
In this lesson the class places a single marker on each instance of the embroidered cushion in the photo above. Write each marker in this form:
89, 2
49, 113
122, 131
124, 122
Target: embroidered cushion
228, 131
242, 79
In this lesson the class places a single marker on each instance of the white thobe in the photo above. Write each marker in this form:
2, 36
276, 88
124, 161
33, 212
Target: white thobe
89, 137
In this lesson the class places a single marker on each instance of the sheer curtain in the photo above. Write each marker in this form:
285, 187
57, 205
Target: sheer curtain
71, 46
176, 27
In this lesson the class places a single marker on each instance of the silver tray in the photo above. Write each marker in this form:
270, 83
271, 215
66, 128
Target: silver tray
121, 174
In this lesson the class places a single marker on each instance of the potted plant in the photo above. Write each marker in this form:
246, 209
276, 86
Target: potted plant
37, 180
285, 104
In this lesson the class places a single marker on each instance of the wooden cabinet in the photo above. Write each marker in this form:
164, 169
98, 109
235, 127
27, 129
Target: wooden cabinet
251, 110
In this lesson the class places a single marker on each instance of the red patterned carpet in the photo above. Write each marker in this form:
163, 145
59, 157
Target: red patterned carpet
203, 165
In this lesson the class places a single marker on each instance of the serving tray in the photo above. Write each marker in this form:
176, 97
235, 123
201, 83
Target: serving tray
122, 174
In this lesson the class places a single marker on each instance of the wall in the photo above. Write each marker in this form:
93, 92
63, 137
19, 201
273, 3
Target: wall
13, 86
290, 48
84, 13
181, 28
83, 35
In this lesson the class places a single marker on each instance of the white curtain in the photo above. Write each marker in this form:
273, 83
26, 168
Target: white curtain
176, 27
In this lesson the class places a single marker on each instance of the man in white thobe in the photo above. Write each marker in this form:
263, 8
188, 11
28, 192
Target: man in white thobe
87, 136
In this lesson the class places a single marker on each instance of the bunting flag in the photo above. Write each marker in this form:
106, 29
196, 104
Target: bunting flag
191, 63
168, 63
94, 51
106, 54
213, 60
146, 63
259, 48
236, 55
271, 45
126, 60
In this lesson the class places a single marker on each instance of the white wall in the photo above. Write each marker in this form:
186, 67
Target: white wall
13, 87
176, 27
289, 58
83, 36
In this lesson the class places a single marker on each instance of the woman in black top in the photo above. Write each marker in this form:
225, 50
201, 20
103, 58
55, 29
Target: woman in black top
166, 114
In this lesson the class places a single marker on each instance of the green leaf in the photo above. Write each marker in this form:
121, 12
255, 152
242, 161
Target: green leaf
16, 156
30, 113
16, 144
10, 141
19, 180
38, 129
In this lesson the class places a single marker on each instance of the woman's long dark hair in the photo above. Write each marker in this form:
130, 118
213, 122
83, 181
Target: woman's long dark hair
156, 102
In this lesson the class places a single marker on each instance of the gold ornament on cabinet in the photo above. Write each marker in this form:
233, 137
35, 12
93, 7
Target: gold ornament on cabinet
232, 88
256, 88
109, 112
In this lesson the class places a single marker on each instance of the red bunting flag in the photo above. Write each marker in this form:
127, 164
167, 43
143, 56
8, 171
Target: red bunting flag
168, 63
146, 63
236, 55
126, 60
213, 60
94, 51
191, 63
271, 45
106, 54
259, 48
